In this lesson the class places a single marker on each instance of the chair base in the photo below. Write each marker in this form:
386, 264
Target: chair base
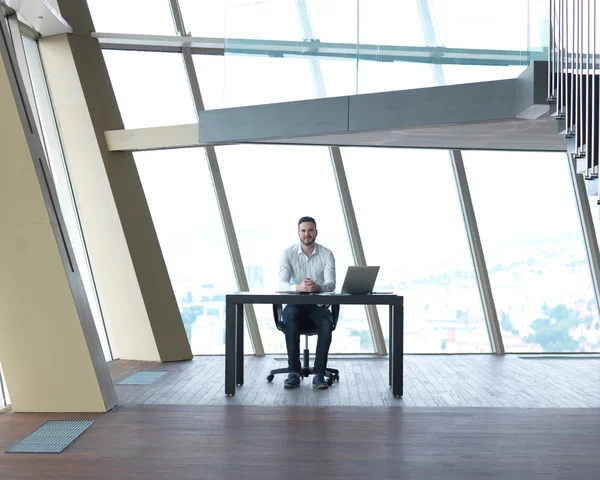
331, 374
305, 372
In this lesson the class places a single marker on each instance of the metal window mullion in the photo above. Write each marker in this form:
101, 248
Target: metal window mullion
464, 195
430, 39
217, 181
481, 272
225, 212
356, 243
177, 17
339, 172
587, 226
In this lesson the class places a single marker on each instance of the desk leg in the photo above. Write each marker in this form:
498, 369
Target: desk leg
239, 341
391, 342
397, 349
230, 352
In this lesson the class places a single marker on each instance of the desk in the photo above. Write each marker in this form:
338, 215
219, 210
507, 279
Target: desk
234, 328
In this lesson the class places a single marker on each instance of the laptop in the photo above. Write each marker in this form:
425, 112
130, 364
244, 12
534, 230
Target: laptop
360, 280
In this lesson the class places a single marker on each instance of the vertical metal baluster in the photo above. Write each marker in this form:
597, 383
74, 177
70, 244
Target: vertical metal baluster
559, 77
551, 51
587, 99
572, 97
594, 139
581, 84
566, 71
558, 28
575, 75
565, 58
556, 51
563, 70
580, 81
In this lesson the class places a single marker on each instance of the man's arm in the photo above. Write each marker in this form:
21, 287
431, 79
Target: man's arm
285, 273
329, 274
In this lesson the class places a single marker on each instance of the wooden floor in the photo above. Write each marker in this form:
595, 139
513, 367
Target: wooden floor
177, 442
429, 381
518, 419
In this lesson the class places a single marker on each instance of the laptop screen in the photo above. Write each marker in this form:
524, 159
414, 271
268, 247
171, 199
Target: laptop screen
360, 279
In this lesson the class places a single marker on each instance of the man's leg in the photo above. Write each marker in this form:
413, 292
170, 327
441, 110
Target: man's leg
323, 319
292, 316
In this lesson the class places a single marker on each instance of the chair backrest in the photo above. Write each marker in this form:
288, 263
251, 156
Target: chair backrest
278, 312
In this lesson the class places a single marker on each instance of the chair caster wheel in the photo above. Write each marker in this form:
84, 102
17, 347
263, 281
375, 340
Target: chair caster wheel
270, 378
336, 378
330, 381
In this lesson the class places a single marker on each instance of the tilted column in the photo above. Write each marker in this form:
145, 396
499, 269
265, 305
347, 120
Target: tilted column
133, 284
49, 347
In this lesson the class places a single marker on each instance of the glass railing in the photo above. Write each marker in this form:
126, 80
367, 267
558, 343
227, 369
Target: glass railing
284, 50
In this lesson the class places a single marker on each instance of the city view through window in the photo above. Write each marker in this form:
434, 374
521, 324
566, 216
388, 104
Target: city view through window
406, 201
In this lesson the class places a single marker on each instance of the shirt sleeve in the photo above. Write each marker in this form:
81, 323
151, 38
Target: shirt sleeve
285, 273
329, 274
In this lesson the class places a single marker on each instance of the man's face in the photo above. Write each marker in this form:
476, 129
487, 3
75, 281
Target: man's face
307, 233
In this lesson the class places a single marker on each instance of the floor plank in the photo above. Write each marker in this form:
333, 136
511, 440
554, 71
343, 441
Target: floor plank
430, 381
181, 442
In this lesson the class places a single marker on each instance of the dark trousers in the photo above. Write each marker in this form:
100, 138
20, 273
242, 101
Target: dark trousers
307, 317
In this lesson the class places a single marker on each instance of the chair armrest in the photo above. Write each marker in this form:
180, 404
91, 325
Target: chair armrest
277, 316
278, 311
335, 312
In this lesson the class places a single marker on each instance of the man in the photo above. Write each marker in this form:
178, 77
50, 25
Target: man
307, 267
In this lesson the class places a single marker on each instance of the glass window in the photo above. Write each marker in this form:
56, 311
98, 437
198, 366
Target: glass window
455, 25
383, 22
241, 19
210, 73
481, 25
179, 191
533, 245
539, 25
250, 80
147, 17
270, 20
238, 80
60, 175
269, 188
412, 226
335, 21
268, 76
151, 88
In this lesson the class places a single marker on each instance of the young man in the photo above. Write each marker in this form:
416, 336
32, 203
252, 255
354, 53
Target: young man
307, 267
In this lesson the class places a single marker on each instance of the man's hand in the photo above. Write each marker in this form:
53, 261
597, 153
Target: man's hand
308, 285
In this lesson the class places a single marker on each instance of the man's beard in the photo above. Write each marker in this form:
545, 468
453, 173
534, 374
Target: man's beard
308, 242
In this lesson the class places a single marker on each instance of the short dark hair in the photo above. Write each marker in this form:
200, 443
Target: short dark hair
307, 219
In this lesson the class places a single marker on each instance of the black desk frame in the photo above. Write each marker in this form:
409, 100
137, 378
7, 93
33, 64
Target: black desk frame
234, 329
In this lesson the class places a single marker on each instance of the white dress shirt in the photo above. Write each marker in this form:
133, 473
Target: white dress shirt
295, 266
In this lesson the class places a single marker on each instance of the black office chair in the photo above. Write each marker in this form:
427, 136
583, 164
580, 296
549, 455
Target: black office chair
331, 374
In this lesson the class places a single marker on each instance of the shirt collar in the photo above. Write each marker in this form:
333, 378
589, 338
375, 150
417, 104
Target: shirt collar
314, 252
